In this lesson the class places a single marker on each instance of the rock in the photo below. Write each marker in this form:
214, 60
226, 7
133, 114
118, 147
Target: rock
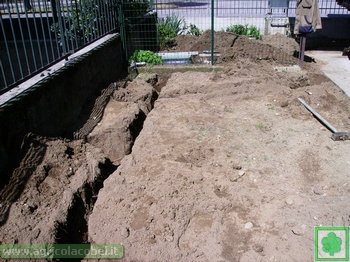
169, 238
299, 230
237, 167
152, 239
300, 82
234, 178
125, 232
77, 163
284, 237
248, 225
258, 248
319, 190
241, 173
284, 104
289, 201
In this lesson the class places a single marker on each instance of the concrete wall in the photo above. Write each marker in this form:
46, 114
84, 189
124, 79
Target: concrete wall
57, 105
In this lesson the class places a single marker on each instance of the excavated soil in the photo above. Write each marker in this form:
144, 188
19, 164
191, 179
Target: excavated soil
226, 165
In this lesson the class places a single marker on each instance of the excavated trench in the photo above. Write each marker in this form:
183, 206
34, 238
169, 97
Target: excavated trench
53, 191
74, 229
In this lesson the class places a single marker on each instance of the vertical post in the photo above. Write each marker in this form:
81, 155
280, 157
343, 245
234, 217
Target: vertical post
54, 10
122, 30
212, 32
302, 50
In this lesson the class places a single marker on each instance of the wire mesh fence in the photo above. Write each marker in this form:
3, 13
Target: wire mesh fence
195, 17
233, 11
139, 26
38, 33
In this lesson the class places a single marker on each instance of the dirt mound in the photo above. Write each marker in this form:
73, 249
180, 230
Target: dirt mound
223, 40
277, 48
244, 47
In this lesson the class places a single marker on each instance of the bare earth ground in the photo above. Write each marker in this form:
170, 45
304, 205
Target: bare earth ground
228, 166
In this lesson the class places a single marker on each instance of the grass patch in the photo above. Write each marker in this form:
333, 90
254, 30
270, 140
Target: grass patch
261, 127
228, 109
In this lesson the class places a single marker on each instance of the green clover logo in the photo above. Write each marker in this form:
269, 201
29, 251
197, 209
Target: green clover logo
331, 244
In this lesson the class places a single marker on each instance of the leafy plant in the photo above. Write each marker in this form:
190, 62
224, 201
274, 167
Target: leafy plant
194, 30
254, 32
169, 27
239, 29
165, 34
83, 20
260, 126
146, 56
80, 23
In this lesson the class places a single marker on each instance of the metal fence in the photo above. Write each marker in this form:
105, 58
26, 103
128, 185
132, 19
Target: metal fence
37, 33
230, 12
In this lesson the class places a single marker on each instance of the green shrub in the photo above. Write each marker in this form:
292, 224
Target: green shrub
254, 32
165, 34
194, 30
169, 27
239, 29
146, 56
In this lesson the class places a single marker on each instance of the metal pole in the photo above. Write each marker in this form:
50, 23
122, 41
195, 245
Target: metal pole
8, 52
212, 32
318, 116
302, 51
122, 30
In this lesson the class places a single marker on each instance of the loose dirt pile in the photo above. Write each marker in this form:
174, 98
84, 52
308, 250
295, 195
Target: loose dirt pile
228, 166
277, 48
53, 191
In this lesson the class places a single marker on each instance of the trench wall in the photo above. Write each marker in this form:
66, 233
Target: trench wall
57, 105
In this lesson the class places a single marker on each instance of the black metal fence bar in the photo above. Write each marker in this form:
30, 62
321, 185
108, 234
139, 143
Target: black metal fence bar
38, 33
